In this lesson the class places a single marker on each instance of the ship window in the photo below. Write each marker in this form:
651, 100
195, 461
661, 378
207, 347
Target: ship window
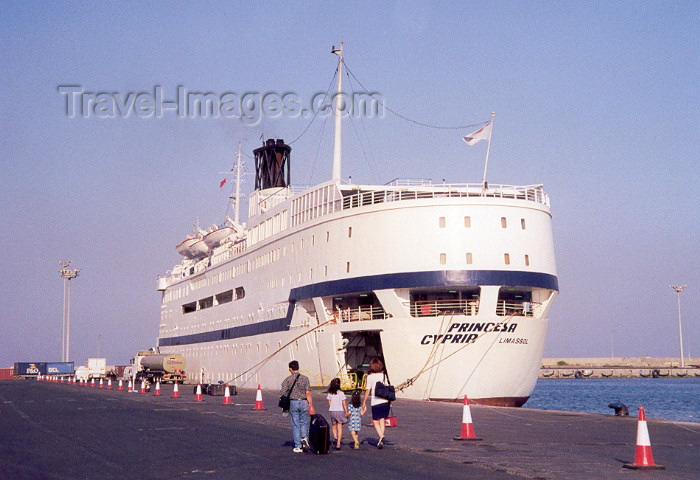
506, 258
328, 236
349, 232
206, 303
347, 267
224, 297
443, 258
240, 293
442, 222
522, 223
469, 258
514, 301
504, 223
467, 222
527, 260
325, 270
441, 301
189, 307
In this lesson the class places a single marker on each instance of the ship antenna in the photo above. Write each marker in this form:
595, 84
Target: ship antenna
237, 198
337, 144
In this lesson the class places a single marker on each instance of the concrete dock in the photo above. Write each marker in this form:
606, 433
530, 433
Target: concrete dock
61, 431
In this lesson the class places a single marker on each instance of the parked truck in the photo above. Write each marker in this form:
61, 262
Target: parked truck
152, 366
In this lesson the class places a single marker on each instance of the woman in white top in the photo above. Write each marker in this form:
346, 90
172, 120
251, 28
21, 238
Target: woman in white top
380, 406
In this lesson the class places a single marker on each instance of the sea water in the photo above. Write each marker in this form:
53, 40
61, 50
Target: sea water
676, 399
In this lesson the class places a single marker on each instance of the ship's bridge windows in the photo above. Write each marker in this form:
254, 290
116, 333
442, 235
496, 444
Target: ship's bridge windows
514, 301
224, 297
189, 307
240, 293
206, 303
431, 302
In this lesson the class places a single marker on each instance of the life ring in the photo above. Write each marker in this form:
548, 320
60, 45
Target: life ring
655, 373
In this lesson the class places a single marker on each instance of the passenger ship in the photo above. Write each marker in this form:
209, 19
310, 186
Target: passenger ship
450, 284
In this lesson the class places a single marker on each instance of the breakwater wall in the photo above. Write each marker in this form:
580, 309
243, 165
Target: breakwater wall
619, 367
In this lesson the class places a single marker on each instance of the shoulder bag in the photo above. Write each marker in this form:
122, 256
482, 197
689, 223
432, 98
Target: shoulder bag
285, 401
387, 392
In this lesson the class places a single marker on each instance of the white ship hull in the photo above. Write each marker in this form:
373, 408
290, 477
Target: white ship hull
451, 285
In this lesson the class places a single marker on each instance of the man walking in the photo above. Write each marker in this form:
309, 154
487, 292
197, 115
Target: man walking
301, 405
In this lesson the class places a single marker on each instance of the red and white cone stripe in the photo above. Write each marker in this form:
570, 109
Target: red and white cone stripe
259, 400
467, 424
227, 395
643, 458
198, 393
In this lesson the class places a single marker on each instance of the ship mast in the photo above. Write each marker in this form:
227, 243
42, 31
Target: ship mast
237, 198
337, 144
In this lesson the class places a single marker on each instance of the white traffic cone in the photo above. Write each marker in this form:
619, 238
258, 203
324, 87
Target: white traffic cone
467, 427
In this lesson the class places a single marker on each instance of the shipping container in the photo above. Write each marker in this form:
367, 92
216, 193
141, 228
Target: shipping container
28, 369
7, 373
60, 368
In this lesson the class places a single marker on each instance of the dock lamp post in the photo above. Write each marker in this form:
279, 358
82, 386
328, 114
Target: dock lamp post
67, 275
678, 289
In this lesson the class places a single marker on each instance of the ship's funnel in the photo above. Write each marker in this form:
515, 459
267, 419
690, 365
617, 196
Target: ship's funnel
272, 164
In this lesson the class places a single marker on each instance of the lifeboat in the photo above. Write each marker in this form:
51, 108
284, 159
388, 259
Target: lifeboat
607, 374
184, 248
199, 249
548, 374
215, 236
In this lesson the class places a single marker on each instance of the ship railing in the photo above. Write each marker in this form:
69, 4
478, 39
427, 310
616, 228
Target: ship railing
532, 193
357, 314
435, 308
518, 309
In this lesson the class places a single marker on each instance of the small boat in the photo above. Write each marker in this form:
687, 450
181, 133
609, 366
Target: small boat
606, 374
587, 373
199, 249
217, 235
567, 374
682, 374
644, 374
184, 247
548, 374
661, 374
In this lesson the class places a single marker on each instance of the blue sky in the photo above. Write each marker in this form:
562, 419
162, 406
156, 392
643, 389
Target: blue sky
598, 101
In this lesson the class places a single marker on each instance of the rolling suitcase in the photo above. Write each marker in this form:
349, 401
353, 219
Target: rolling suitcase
319, 435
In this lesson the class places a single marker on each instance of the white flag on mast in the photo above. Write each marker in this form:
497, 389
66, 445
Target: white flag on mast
484, 133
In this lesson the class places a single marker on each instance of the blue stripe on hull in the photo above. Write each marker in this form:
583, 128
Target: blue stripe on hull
467, 278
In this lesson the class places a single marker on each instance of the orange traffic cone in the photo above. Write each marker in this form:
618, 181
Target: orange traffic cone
258, 400
643, 460
227, 396
109, 384
92, 384
143, 386
101, 386
176, 392
467, 427
131, 386
121, 385
198, 393
157, 393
